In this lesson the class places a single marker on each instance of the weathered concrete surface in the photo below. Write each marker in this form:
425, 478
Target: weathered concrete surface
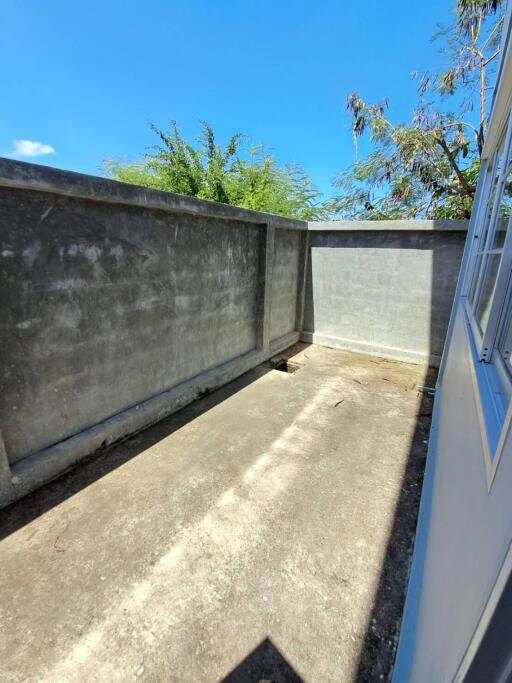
31, 472
448, 225
103, 309
120, 304
116, 298
39, 178
387, 291
260, 533
286, 270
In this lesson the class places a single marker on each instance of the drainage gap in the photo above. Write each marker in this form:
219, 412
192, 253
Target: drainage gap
284, 365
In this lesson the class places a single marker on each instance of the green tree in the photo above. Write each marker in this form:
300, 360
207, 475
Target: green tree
222, 174
258, 183
428, 168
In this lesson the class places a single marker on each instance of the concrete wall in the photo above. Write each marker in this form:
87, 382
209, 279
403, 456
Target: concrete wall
121, 304
383, 287
288, 257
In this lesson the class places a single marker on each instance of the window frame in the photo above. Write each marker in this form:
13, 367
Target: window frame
485, 339
491, 373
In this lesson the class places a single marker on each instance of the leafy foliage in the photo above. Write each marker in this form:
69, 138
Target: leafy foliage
222, 174
258, 183
428, 167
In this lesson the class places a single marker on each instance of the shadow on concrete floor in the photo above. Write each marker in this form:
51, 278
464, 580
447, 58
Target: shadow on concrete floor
378, 636
265, 664
99, 464
383, 629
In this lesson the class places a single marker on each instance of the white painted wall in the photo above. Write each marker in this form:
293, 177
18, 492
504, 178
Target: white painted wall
470, 528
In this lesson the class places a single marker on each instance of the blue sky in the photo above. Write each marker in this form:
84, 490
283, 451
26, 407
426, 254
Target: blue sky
84, 77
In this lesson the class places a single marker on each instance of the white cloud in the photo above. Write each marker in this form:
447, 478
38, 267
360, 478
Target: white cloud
29, 148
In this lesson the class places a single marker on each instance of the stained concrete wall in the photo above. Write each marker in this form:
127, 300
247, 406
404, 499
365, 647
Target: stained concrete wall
383, 287
287, 260
121, 304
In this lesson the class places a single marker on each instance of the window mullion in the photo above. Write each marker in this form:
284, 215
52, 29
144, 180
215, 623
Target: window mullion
485, 350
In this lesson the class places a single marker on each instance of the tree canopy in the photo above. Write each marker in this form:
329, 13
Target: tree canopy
428, 168
425, 168
250, 179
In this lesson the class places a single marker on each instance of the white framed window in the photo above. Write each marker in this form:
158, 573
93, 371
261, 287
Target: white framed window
488, 294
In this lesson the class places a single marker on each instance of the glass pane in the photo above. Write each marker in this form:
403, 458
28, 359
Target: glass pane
505, 345
476, 273
499, 237
487, 289
503, 213
500, 232
491, 258
492, 196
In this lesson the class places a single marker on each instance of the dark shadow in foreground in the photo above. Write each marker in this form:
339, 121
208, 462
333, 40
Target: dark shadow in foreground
382, 632
265, 664
99, 464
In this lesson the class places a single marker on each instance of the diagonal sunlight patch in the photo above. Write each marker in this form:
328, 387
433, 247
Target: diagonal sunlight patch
198, 572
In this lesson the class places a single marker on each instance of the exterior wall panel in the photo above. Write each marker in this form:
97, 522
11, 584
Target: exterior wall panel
387, 292
470, 527
285, 282
110, 308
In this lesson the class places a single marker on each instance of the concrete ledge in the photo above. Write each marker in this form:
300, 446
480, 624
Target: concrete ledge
23, 176
47, 464
401, 225
403, 355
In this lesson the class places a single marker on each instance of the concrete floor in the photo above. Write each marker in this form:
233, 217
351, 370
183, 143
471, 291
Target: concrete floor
262, 533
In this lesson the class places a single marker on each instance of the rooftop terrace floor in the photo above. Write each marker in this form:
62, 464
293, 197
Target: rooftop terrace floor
261, 533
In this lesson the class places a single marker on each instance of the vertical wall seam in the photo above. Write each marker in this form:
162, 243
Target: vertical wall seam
301, 283
268, 269
5, 468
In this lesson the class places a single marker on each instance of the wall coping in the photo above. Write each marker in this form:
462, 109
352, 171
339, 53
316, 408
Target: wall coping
450, 225
38, 178
24, 176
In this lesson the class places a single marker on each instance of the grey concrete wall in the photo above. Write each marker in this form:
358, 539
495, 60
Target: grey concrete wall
383, 287
285, 282
120, 304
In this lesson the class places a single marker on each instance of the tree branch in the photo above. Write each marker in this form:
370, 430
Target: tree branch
461, 123
496, 27
479, 134
491, 57
466, 188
